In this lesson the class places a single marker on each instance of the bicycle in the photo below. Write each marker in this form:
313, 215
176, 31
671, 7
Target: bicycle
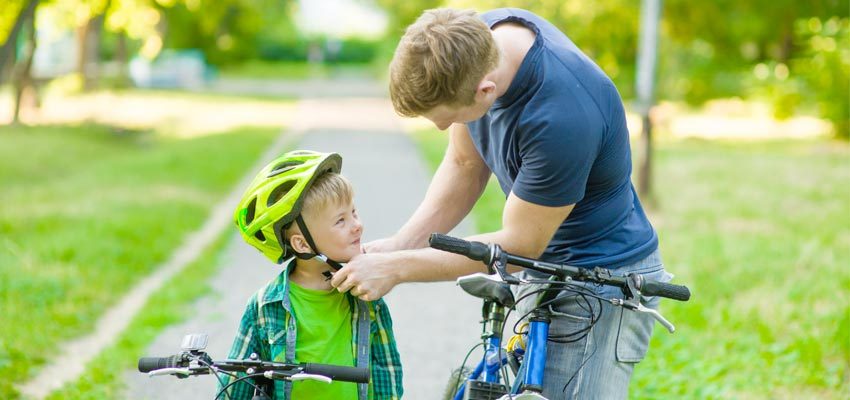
525, 353
193, 361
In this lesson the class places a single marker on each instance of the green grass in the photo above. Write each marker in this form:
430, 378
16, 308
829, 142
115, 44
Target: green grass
88, 211
171, 304
760, 232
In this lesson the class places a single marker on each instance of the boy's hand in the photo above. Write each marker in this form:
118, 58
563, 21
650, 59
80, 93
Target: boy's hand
367, 276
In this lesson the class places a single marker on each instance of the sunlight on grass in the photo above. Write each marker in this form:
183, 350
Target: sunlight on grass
169, 113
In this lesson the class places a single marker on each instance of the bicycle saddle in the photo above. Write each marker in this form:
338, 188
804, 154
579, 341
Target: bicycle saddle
488, 287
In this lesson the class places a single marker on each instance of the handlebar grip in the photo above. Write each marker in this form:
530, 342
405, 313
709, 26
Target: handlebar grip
148, 364
475, 250
654, 288
338, 372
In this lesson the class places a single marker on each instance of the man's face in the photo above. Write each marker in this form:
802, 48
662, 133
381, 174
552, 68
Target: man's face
336, 230
443, 116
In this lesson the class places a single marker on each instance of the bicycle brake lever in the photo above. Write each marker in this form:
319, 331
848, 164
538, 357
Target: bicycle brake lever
303, 377
170, 371
637, 306
658, 317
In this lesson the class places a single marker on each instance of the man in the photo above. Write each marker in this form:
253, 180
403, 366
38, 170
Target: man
521, 101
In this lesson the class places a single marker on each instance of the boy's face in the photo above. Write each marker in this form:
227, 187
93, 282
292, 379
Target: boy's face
336, 229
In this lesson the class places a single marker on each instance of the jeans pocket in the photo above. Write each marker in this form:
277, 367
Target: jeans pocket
635, 328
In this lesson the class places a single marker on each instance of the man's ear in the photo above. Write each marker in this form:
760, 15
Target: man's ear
299, 243
485, 88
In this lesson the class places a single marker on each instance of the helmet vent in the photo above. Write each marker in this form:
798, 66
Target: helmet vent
283, 167
249, 216
279, 192
259, 235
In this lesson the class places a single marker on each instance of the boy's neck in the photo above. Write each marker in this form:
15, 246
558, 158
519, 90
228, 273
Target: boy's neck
308, 274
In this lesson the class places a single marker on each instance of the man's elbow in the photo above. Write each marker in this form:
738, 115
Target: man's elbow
525, 246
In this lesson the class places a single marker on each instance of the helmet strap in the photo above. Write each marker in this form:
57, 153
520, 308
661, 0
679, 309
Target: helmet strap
317, 254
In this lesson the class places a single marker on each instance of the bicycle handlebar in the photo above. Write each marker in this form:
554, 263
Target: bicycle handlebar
488, 254
148, 364
335, 372
338, 372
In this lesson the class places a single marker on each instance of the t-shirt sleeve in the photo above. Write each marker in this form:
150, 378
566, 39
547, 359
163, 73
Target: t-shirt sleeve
557, 152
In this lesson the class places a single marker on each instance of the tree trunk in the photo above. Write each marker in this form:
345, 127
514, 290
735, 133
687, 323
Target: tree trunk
23, 81
122, 59
88, 39
7, 52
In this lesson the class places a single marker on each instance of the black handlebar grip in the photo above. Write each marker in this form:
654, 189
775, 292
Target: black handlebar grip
338, 372
654, 288
148, 364
475, 250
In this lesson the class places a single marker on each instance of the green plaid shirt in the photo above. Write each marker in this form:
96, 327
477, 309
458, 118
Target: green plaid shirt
268, 319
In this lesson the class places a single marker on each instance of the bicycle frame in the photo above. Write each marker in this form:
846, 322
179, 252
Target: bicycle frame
531, 369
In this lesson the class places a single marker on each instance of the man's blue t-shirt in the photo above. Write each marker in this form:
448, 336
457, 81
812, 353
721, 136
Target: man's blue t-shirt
558, 136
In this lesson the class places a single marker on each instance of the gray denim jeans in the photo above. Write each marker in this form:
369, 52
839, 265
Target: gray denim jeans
599, 365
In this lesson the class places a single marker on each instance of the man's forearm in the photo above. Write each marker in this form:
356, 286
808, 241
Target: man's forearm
431, 265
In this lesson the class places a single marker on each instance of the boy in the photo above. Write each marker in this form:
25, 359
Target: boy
298, 316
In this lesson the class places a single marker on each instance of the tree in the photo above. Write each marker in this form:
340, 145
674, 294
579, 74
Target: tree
16, 12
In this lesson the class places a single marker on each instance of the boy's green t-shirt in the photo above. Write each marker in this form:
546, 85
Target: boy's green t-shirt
323, 323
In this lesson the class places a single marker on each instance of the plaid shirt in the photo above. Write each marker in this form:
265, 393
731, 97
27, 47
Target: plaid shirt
267, 319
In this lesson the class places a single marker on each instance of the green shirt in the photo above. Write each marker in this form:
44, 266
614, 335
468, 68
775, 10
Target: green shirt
269, 328
323, 322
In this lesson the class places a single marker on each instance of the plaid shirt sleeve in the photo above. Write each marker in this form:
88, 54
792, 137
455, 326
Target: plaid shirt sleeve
247, 341
386, 363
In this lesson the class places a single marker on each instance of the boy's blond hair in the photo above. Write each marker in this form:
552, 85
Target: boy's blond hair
440, 60
328, 189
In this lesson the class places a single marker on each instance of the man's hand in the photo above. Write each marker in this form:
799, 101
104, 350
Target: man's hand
367, 276
382, 245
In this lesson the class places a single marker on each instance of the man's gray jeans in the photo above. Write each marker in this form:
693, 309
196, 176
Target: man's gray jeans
599, 365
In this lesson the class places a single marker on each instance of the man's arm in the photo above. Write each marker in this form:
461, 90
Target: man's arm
526, 230
458, 183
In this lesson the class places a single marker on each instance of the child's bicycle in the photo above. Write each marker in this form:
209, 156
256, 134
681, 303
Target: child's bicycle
525, 353
192, 360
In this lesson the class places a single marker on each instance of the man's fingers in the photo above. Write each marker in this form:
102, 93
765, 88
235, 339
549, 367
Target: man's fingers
339, 277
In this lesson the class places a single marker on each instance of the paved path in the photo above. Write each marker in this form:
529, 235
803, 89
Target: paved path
435, 324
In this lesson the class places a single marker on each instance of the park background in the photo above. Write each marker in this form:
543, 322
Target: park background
122, 122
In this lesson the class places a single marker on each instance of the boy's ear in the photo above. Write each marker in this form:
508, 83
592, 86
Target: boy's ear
299, 243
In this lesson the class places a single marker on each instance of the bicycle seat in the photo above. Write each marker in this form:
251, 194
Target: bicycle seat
487, 287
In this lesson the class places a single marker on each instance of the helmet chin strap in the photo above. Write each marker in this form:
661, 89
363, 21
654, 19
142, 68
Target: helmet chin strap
317, 254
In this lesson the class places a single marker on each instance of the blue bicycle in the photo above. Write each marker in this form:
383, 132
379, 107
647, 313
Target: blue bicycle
525, 353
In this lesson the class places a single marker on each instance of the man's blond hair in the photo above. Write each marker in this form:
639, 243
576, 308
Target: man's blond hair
440, 60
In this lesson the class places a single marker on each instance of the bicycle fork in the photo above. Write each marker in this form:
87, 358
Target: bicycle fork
494, 357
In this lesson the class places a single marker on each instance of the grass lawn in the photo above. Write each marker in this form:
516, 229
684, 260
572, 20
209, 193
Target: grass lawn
89, 210
760, 232
173, 303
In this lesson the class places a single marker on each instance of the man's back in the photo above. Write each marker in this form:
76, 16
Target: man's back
558, 136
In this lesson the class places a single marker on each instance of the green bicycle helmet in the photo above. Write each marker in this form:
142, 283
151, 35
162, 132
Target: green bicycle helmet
273, 201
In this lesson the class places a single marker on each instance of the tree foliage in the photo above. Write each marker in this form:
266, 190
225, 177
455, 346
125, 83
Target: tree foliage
707, 49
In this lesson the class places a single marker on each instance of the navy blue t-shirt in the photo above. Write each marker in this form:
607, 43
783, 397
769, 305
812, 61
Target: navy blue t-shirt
558, 136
